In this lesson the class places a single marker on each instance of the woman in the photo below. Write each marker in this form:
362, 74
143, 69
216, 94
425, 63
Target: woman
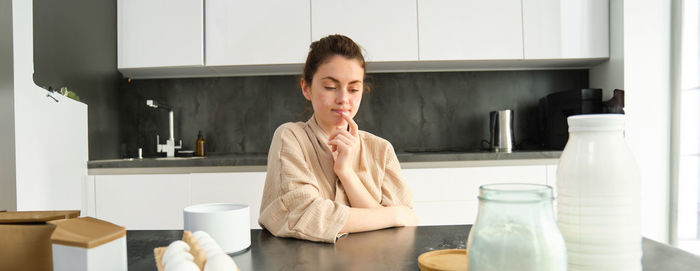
325, 177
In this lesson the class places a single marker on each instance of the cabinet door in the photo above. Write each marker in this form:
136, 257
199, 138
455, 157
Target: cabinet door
50, 149
387, 30
239, 187
242, 32
469, 29
160, 33
142, 202
565, 29
446, 196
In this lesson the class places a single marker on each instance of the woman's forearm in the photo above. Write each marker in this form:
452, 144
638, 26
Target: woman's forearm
357, 193
365, 219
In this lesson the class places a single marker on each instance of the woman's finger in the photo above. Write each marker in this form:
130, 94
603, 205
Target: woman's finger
334, 145
351, 124
334, 134
347, 138
338, 133
342, 143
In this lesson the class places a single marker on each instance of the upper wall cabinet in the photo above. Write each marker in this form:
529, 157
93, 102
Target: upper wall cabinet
160, 33
470, 29
167, 38
555, 29
385, 29
244, 32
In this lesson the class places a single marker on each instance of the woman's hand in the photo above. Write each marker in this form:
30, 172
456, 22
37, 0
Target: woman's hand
369, 219
405, 216
346, 144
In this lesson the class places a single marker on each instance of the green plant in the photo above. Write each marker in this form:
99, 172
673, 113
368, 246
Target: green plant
70, 94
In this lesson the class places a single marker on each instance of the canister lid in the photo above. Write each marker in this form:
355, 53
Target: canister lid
35, 216
85, 232
444, 260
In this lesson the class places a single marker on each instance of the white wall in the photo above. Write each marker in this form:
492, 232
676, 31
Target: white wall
688, 152
640, 64
7, 107
647, 35
610, 75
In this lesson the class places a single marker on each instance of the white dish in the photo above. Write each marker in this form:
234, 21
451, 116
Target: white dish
228, 224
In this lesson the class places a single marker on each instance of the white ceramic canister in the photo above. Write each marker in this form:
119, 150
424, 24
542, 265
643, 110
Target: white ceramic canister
228, 224
598, 194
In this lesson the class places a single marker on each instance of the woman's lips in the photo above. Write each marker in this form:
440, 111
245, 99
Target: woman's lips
340, 111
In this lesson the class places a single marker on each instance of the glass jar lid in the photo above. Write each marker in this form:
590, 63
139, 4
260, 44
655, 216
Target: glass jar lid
515, 192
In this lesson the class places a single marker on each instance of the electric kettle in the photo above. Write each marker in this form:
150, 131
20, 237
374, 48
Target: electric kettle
501, 127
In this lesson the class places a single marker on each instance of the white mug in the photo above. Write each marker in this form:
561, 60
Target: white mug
227, 223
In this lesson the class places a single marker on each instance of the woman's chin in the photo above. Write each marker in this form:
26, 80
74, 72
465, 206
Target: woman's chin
338, 122
334, 122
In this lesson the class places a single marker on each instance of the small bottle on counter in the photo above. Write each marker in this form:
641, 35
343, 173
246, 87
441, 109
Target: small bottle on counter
199, 149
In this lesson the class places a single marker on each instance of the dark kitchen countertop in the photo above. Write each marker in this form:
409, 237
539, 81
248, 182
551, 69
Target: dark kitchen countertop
261, 159
388, 249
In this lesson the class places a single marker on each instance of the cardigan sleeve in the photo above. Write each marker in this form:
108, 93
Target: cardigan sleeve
292, 205
394, 188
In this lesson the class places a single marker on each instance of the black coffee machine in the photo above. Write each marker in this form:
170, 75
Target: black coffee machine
556, 107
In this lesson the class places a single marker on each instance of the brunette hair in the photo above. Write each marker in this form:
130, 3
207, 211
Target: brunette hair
325, 48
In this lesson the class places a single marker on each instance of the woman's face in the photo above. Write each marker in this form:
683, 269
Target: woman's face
335, 88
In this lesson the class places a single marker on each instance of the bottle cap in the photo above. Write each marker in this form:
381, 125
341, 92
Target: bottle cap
596, 122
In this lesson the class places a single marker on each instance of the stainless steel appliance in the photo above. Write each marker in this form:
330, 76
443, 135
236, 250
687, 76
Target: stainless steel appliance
501, 127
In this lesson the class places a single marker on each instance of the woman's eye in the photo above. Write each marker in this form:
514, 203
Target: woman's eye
354, 90
330, 88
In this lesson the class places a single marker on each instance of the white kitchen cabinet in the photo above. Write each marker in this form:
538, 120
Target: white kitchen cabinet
157, 201
142, 202
470, 29
51, 143
44, 139
230, 187
240, 32
447, 196
552, 181
185, 38
556, 29
552, 176
160, 33
387, 30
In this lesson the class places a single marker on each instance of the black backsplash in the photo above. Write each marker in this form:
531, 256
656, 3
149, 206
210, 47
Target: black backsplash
414, 111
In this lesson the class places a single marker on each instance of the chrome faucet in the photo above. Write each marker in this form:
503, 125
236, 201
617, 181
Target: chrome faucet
169, 147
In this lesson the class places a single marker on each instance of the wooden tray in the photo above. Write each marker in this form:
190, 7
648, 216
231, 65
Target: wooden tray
199, 258
444, 260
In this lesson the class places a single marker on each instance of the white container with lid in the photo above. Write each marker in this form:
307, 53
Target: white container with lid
227, 223
86, 243
598, 191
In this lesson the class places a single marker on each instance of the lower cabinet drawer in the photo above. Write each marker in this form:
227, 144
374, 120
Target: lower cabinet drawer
448, 196
446, 212
142, 202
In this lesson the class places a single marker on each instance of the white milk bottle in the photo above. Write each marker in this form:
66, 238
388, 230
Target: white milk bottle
598, 194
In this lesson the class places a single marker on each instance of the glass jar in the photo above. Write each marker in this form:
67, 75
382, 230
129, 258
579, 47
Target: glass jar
598, 196
515, 230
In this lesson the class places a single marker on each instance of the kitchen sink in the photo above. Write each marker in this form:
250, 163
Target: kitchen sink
179, 158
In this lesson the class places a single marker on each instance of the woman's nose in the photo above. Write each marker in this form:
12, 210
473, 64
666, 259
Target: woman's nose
341, 96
